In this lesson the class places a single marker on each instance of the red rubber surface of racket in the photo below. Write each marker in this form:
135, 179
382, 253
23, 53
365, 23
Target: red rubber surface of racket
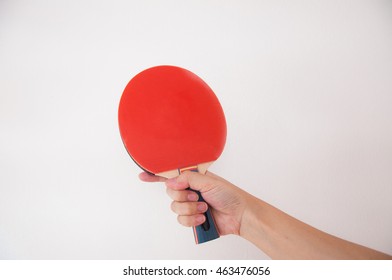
169, 119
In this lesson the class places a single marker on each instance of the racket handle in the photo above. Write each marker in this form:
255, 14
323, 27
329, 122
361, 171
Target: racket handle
208, 230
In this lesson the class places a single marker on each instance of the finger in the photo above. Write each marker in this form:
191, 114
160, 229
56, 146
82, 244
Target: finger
196, 181
182, 196
191, 221
146, 177
173, 183
188, 208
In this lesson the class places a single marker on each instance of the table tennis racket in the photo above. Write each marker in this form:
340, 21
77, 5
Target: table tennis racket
170, 122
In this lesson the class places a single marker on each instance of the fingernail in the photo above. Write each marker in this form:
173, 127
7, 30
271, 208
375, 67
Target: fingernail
193, 197
200, 219
202, 207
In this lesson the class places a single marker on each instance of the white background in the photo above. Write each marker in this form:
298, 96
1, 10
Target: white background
307, 91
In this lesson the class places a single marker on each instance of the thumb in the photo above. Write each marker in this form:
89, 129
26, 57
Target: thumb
196, 181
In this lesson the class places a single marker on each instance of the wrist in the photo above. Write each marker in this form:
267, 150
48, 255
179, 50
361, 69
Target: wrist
251, 223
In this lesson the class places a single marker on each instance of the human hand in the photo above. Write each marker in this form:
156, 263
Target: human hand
226, 201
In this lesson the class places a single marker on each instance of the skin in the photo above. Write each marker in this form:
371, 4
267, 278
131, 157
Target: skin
237, 212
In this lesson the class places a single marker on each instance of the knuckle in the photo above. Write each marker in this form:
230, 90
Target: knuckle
183, 220
173, 206
188, 208
185, 208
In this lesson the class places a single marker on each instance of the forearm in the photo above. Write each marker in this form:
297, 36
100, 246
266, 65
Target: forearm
283, 237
